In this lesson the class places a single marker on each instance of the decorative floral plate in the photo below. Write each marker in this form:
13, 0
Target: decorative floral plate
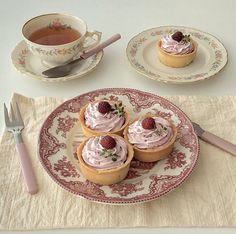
142, 54
61, 134
31, 66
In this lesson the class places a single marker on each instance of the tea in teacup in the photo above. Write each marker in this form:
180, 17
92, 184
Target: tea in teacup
54, 35
58, 38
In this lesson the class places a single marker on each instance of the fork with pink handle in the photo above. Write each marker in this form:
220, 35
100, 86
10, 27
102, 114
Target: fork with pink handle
16, 125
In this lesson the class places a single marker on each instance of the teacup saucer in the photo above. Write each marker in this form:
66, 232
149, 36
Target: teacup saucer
31, 66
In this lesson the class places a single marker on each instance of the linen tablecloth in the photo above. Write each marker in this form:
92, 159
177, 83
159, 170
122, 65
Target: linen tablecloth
206, 199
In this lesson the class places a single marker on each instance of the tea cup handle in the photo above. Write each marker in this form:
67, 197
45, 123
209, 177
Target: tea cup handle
94, 35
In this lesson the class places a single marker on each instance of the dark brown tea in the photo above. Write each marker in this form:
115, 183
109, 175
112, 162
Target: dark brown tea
54, 36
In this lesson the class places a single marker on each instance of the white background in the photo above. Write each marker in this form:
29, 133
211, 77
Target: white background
127, 17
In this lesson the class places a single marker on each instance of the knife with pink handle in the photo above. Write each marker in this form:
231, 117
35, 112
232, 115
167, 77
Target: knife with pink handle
63, 70
214, 140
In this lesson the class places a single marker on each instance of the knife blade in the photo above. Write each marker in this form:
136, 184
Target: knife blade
63, 70
214, 140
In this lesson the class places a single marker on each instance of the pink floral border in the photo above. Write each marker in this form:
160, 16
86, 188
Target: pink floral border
127, 192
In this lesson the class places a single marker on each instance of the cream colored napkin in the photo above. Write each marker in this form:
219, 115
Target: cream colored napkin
206, 199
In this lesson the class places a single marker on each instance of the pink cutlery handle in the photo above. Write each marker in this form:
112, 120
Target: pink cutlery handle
101, 46
219, 142
27, 169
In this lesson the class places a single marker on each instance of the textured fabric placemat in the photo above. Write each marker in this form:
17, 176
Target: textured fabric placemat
206, 199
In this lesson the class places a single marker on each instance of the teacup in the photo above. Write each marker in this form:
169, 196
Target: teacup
57, 38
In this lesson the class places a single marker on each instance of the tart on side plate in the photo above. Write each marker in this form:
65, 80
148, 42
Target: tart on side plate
176, 50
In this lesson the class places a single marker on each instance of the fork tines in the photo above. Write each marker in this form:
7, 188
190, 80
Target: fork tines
16, 119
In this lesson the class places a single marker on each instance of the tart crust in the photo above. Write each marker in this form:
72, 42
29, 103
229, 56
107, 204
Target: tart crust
90, 132
106, 176
176, 60
154, 154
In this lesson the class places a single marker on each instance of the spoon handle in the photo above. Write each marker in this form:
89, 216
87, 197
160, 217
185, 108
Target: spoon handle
101, 46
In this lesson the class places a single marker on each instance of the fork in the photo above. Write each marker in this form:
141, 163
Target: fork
16, 125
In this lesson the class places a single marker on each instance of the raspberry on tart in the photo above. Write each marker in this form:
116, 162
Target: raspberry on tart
108, 142
104, 107
177, 36
148, 123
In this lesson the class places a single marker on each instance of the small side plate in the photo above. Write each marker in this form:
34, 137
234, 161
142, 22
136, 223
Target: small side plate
31, 66
142, 54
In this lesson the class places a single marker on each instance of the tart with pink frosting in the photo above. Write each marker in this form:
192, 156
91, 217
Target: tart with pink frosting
176, 50
105, 159
152, 137
102, 117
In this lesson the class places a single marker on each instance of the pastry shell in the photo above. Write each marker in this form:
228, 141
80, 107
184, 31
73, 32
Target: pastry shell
106, 176
154, 154
176, 60
90, 132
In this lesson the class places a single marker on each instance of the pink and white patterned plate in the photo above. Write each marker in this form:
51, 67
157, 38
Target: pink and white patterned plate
61, 134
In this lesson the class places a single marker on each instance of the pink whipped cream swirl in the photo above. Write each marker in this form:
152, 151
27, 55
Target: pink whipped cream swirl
93, 154
150, 138
102, 122
169, 45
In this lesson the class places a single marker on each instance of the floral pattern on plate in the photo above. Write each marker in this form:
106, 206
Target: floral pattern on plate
145, 181
142, 55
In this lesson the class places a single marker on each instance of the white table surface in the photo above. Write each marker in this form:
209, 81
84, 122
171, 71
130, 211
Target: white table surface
127, 17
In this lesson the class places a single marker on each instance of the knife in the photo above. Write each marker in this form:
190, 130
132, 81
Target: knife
63, 70
214, 140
